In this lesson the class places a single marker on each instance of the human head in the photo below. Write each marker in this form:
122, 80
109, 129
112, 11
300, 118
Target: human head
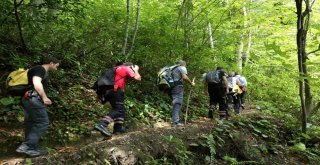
220, 68
52, 62
181, 63
128, 63
231, 74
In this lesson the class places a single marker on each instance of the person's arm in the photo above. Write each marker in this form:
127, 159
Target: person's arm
39, 88
225, 82
238, 82
185, 77
205, 89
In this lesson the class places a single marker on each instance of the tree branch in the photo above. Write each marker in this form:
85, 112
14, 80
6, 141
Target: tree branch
9, 13
24, 48
314, 50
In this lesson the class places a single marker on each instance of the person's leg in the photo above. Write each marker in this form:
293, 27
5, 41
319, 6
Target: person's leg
27, 120
177, 100
39, 117
236, 102
117, 114
120, 116
229, 101
28, 124
242, 98
222, 103
36, 124
212, 100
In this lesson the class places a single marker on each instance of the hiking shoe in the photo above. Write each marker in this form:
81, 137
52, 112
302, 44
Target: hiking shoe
119, 131
22, 149
103, 130
31, 153
242, 106
177, 125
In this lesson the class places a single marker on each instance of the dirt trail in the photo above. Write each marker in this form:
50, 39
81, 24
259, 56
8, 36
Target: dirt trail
120, 146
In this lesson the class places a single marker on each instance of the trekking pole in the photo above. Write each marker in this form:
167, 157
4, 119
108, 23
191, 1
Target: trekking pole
186, 116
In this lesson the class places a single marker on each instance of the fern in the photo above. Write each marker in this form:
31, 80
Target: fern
212, 146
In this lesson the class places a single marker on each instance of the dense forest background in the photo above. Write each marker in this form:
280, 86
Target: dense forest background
254, 37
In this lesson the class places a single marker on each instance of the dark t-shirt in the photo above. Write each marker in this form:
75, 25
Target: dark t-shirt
40, 72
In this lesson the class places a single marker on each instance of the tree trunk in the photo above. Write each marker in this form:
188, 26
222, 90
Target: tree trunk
23, 45
135, 28
210, 35
126, 31
304, 87
188, 23
246, 55
210, 31
239, 53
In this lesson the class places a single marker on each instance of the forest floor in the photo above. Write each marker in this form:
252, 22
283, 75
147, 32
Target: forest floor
140, 145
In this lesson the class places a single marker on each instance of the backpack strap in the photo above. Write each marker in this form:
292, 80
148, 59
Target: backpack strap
173, 68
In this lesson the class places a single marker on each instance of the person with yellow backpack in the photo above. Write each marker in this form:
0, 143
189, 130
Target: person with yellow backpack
234, 93
243, 88
35, 102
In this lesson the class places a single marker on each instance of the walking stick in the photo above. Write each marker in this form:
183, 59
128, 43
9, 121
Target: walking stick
186, 116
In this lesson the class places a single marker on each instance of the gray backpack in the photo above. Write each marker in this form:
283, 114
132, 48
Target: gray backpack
212, 77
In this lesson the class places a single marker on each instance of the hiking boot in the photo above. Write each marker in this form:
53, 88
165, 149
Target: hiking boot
177, 125
22, 149
103, 130
31, 153
119, 130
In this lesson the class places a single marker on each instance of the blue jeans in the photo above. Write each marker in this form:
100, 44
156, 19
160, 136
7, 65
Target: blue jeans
35, 119
177, 99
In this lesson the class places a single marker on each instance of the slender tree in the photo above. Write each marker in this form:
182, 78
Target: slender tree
126, 31
210, 30
23, 45
246, 53
187, 23
135, 28
303, 18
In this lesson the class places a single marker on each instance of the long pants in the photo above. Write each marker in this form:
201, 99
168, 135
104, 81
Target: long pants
118, 110
35, 119
177, 100
235, 100
217, 95
243, 97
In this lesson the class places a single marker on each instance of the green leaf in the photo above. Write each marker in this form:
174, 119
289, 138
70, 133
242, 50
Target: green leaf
256, 130
6, 101
306, 136
219, 129
298, 147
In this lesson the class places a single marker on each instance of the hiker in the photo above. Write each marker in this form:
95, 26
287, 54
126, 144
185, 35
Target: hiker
216, 84
179, 75
35, 102
243, 87
233, 95
117, 114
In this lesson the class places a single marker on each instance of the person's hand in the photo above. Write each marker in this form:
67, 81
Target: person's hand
47, 101
193, 84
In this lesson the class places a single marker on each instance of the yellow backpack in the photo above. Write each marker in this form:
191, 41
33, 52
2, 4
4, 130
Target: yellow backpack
236, 89
17, 82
